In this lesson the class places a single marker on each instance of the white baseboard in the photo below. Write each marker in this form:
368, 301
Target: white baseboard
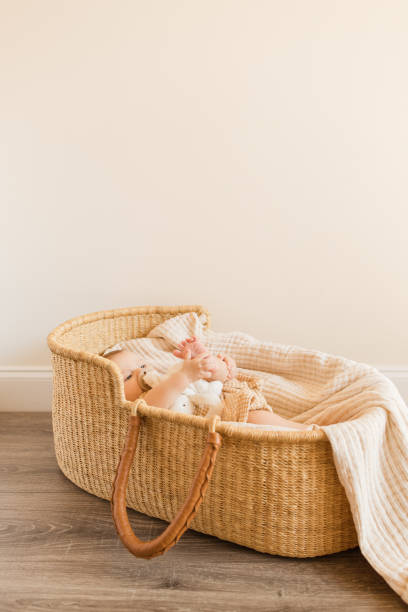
29, 388
25, 388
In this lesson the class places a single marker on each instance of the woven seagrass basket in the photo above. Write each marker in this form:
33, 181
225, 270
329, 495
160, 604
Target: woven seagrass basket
273, 491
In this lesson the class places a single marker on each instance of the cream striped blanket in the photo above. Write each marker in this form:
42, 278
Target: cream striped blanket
360, 409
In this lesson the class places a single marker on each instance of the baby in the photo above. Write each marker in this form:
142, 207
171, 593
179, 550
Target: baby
197, 364
203, 366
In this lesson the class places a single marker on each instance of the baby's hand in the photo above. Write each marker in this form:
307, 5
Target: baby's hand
230, 363
199, 367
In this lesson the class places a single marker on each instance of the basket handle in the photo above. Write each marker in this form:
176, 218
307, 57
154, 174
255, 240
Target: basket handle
185, 515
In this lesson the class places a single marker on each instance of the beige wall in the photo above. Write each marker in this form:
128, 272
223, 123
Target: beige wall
247, 155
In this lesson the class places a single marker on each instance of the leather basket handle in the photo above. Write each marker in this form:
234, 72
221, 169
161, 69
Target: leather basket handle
182, 520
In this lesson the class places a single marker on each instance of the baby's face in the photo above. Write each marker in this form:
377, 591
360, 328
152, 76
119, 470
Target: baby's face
131, 368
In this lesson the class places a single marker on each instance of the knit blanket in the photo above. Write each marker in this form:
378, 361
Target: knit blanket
361, 412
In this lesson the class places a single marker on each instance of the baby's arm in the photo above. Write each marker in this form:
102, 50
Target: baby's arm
167, 391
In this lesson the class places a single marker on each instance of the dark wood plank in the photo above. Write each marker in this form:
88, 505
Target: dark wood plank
59, 550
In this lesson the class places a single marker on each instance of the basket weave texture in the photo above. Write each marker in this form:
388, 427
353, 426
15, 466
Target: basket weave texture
274, 491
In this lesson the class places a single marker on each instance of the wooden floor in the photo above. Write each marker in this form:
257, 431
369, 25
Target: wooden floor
59, 551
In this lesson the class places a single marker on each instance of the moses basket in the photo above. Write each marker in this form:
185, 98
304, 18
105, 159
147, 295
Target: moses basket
274, 491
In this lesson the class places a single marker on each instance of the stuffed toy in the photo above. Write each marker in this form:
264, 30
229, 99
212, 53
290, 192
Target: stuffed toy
201, 393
